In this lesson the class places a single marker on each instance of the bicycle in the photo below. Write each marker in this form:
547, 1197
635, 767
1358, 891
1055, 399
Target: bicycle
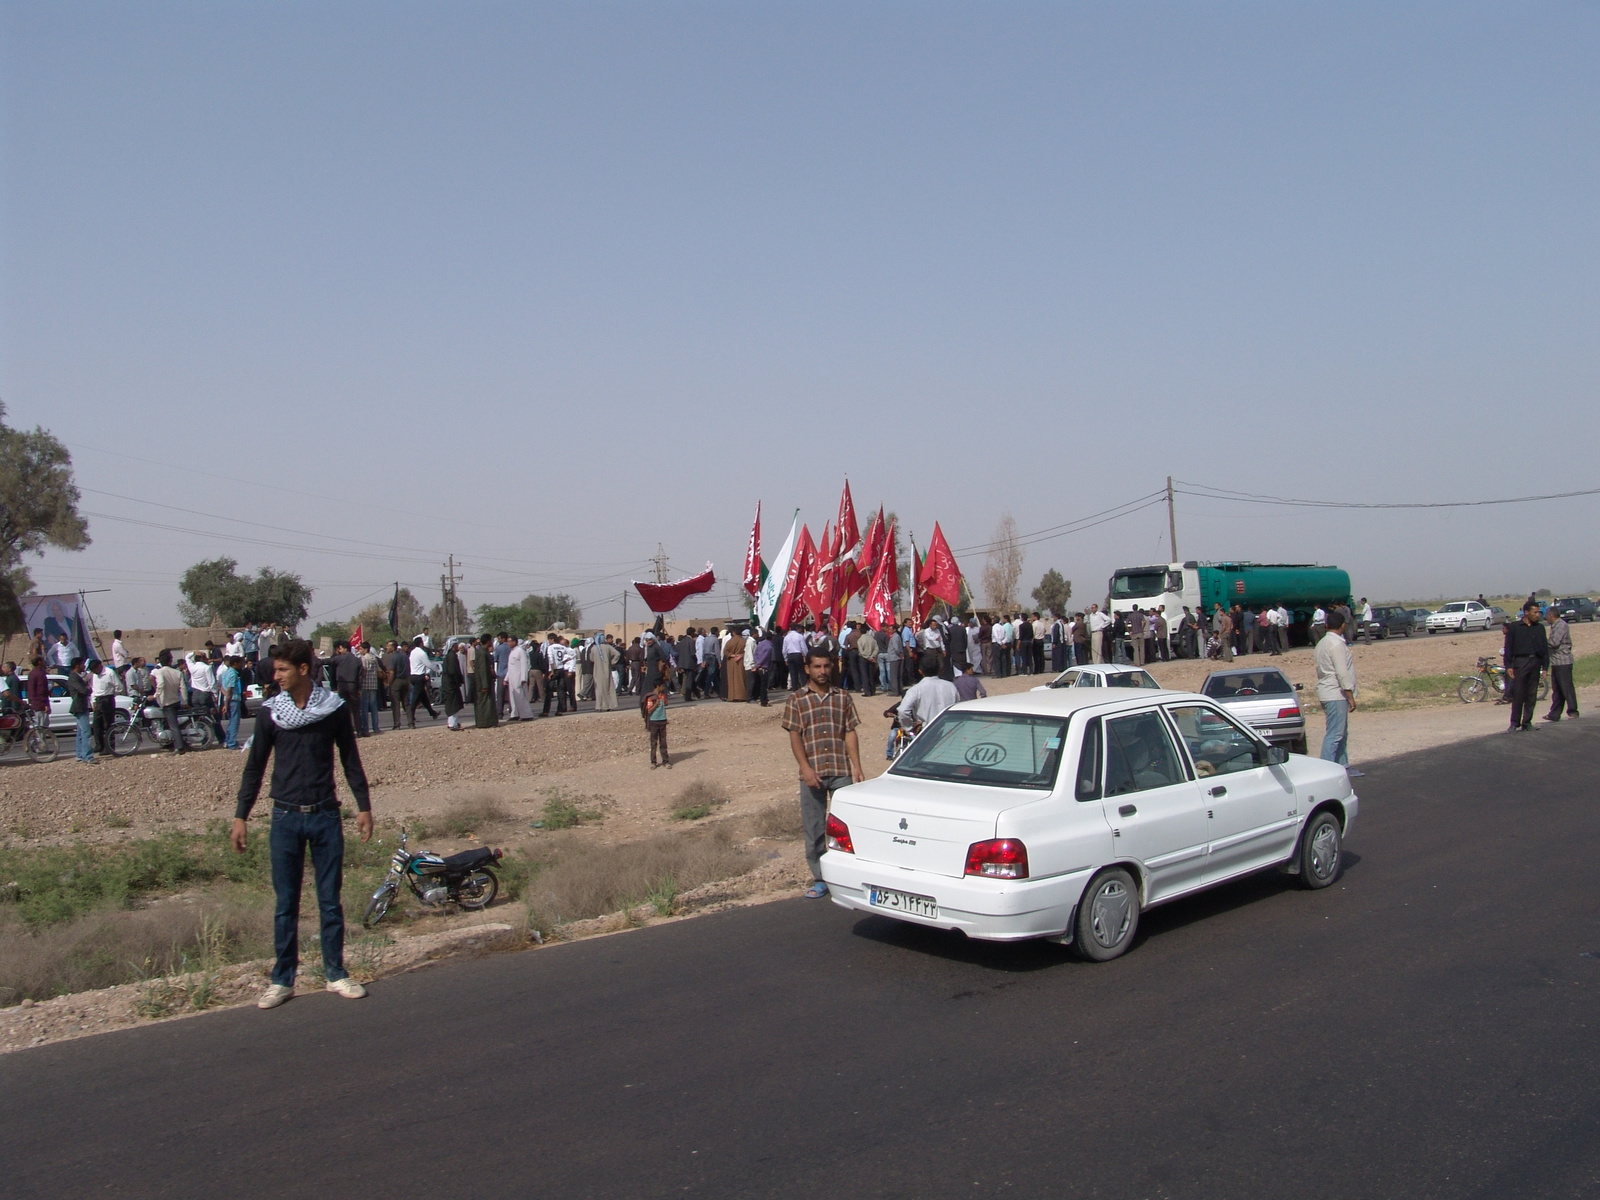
35, 736
1492, 676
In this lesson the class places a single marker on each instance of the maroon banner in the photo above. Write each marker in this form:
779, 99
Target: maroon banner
664, 597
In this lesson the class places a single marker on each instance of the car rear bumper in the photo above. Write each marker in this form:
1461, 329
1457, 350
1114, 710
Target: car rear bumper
1001, 910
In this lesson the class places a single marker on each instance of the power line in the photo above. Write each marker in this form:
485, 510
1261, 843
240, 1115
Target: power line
1075, 526
1215, 493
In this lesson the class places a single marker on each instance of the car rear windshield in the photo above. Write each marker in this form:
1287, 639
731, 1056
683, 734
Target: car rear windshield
1256, 683
1131, 679
997, 749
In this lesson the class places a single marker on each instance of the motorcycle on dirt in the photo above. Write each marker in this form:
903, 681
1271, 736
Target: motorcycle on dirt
466, 879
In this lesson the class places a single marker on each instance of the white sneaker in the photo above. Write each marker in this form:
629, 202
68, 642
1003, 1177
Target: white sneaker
274, 996
347, 987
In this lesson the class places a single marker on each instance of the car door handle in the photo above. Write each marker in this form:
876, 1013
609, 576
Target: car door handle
1127, 810
1219, 790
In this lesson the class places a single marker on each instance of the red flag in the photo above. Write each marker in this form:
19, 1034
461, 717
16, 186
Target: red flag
356, 638
801, 568
921, 602
866, 564
664, 597
880, 592
849, 531
817, 593
940, 575
752, 556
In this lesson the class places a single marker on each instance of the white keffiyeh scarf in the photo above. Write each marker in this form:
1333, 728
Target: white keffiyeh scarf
287, 715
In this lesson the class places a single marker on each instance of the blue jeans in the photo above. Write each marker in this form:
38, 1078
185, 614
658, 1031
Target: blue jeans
368, 722
883, 672
292, 832
232, 716
85, 747
1336, 740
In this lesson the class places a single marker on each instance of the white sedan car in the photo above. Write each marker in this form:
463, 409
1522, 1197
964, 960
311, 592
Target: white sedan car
1065, 814
1102, 675
61, 718
1459, 616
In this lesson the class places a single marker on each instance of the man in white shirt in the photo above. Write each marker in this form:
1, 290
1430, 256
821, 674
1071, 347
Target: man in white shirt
203, 692
1000, 639
1319, 624
794, 658
1336, 690
420, 662
60, 654
1284, 621
926, 698
119, 653
1099, 622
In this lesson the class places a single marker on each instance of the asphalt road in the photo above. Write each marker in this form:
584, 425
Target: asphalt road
1423, 1028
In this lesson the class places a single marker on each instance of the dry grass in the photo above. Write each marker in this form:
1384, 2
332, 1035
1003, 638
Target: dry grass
607, 879
780, 820
111, 947
471, 816
698, 799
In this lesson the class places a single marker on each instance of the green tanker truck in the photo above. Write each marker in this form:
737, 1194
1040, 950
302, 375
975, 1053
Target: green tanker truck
1299, 587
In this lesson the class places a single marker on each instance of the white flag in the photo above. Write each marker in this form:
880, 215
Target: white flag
777, 572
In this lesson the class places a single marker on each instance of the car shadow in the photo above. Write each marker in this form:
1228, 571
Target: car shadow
1034, 955
1038, 954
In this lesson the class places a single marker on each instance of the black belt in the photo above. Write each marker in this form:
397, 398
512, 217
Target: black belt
325, 806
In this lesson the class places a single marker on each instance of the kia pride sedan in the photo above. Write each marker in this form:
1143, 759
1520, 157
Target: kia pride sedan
1065, 814
1388, 620
1264, 699
61, 718
1577, 608
1102, 675
1459, 616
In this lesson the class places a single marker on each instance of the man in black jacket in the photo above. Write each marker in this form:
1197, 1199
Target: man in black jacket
299, 729
347, 678
1527, 654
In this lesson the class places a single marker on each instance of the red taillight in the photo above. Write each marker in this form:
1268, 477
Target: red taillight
839, 835
1288, 712
1002, 858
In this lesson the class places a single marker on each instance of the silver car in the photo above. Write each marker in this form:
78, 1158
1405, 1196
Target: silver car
1264, 699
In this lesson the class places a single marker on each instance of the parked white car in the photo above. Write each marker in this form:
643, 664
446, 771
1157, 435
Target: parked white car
1459, 616
61, 718
1065, 814
1102, 675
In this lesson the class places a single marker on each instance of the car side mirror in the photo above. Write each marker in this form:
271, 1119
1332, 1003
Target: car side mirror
1272, 756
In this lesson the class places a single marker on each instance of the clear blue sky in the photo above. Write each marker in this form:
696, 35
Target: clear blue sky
545, 285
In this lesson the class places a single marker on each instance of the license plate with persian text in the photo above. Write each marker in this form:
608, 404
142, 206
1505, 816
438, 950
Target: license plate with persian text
917, 906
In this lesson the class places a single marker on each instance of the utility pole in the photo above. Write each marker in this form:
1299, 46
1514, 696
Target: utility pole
447, 585
1172, 522
660, 563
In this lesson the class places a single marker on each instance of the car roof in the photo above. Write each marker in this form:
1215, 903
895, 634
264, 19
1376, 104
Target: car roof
1107, 668
1243, 671
1062, 702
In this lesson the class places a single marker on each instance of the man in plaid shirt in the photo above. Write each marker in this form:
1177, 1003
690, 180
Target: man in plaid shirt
821, 720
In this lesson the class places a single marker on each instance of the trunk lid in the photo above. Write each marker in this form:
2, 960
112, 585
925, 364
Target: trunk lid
922, 824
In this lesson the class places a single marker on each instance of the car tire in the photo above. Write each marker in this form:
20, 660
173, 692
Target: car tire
1108, 916
1321, 847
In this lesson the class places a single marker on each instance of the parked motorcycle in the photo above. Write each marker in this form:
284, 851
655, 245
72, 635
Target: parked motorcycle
150, 722
20, 729
466, 879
